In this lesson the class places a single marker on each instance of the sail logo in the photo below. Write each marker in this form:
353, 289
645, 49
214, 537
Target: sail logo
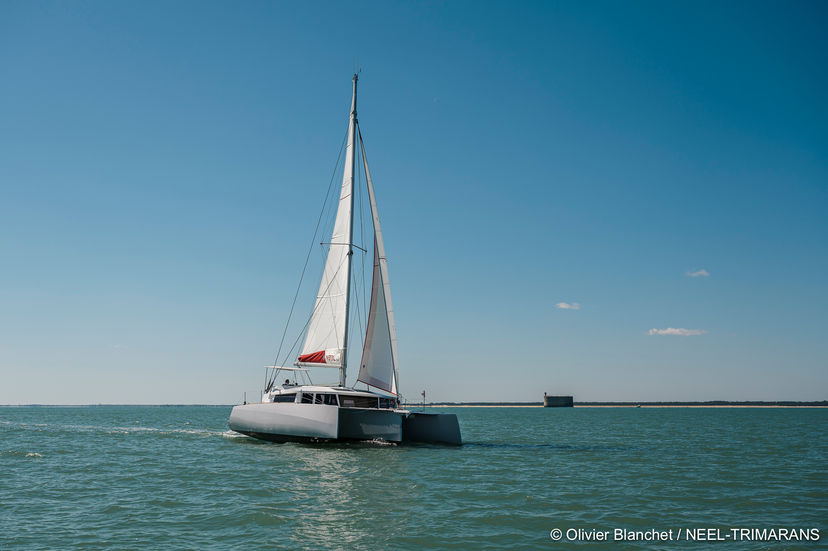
333, 356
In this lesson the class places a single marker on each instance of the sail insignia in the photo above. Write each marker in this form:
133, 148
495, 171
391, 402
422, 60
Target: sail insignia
330, 358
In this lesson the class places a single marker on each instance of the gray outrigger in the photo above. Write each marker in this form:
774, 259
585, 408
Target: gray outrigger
318, 413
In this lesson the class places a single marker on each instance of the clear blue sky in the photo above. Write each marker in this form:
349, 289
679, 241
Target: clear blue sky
162, 165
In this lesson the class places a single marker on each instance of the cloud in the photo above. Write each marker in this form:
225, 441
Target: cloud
568, 305
699, 273
680, 331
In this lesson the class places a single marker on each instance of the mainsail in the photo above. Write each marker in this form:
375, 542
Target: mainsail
325, 342
378, 367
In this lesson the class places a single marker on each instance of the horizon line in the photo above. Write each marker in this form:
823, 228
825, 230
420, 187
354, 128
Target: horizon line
482, 403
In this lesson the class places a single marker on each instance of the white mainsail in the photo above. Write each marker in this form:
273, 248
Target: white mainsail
378, 367
325, 342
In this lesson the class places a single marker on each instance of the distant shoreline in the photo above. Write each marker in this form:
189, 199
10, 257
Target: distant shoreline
805, 406
415, 405
711, 404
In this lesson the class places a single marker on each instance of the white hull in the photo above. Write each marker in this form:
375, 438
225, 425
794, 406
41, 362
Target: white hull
292, 421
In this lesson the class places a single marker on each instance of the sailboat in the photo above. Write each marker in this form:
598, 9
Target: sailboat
299, 410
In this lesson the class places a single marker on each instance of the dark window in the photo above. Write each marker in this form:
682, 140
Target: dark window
284, 398
329, 399
359, 402
387, 403
307, 397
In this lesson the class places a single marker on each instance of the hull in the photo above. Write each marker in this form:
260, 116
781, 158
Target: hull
286, 421
289, 422
370, 424
432, 428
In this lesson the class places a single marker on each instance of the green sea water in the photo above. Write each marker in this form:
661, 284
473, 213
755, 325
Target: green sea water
141, 477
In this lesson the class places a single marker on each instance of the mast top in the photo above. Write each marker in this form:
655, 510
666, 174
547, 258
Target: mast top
353, 101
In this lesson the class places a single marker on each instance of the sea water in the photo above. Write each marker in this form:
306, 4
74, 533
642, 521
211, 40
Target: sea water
143, 477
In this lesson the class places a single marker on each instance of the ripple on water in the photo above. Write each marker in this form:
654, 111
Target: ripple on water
177, 478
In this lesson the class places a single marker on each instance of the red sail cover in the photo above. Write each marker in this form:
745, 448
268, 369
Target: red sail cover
313, 357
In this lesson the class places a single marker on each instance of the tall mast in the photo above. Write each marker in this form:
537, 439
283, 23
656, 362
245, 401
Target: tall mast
351, 151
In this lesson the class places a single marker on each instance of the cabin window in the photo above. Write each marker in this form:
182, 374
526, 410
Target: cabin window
283, 398
359, 402
322, 398
387, 403
307, 397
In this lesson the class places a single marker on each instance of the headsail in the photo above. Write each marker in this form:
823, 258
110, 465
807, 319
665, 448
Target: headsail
326, 340
378, 367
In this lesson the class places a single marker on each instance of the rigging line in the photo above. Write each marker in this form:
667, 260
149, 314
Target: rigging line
323, 294
307, 258
361, 222
315, 308
357, 190
316, 305
328, 299
353, 284
373, 232
358, 312
361, 280
333, 207
330, 225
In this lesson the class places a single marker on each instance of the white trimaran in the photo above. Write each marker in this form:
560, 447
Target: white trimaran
307, 412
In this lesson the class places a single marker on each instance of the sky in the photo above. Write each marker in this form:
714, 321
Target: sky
615, 201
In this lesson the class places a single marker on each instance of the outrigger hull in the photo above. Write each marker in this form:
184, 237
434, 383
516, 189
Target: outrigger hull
431, 428
370, 424
290, 422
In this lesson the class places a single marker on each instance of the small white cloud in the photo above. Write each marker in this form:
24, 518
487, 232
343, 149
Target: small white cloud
699, 273
680, 331
568, 305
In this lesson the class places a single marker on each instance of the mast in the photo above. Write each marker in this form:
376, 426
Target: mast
351, 151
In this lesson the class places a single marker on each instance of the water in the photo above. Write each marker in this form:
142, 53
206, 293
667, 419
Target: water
175, 478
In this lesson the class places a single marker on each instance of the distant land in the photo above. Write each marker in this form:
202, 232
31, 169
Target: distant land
709, 404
